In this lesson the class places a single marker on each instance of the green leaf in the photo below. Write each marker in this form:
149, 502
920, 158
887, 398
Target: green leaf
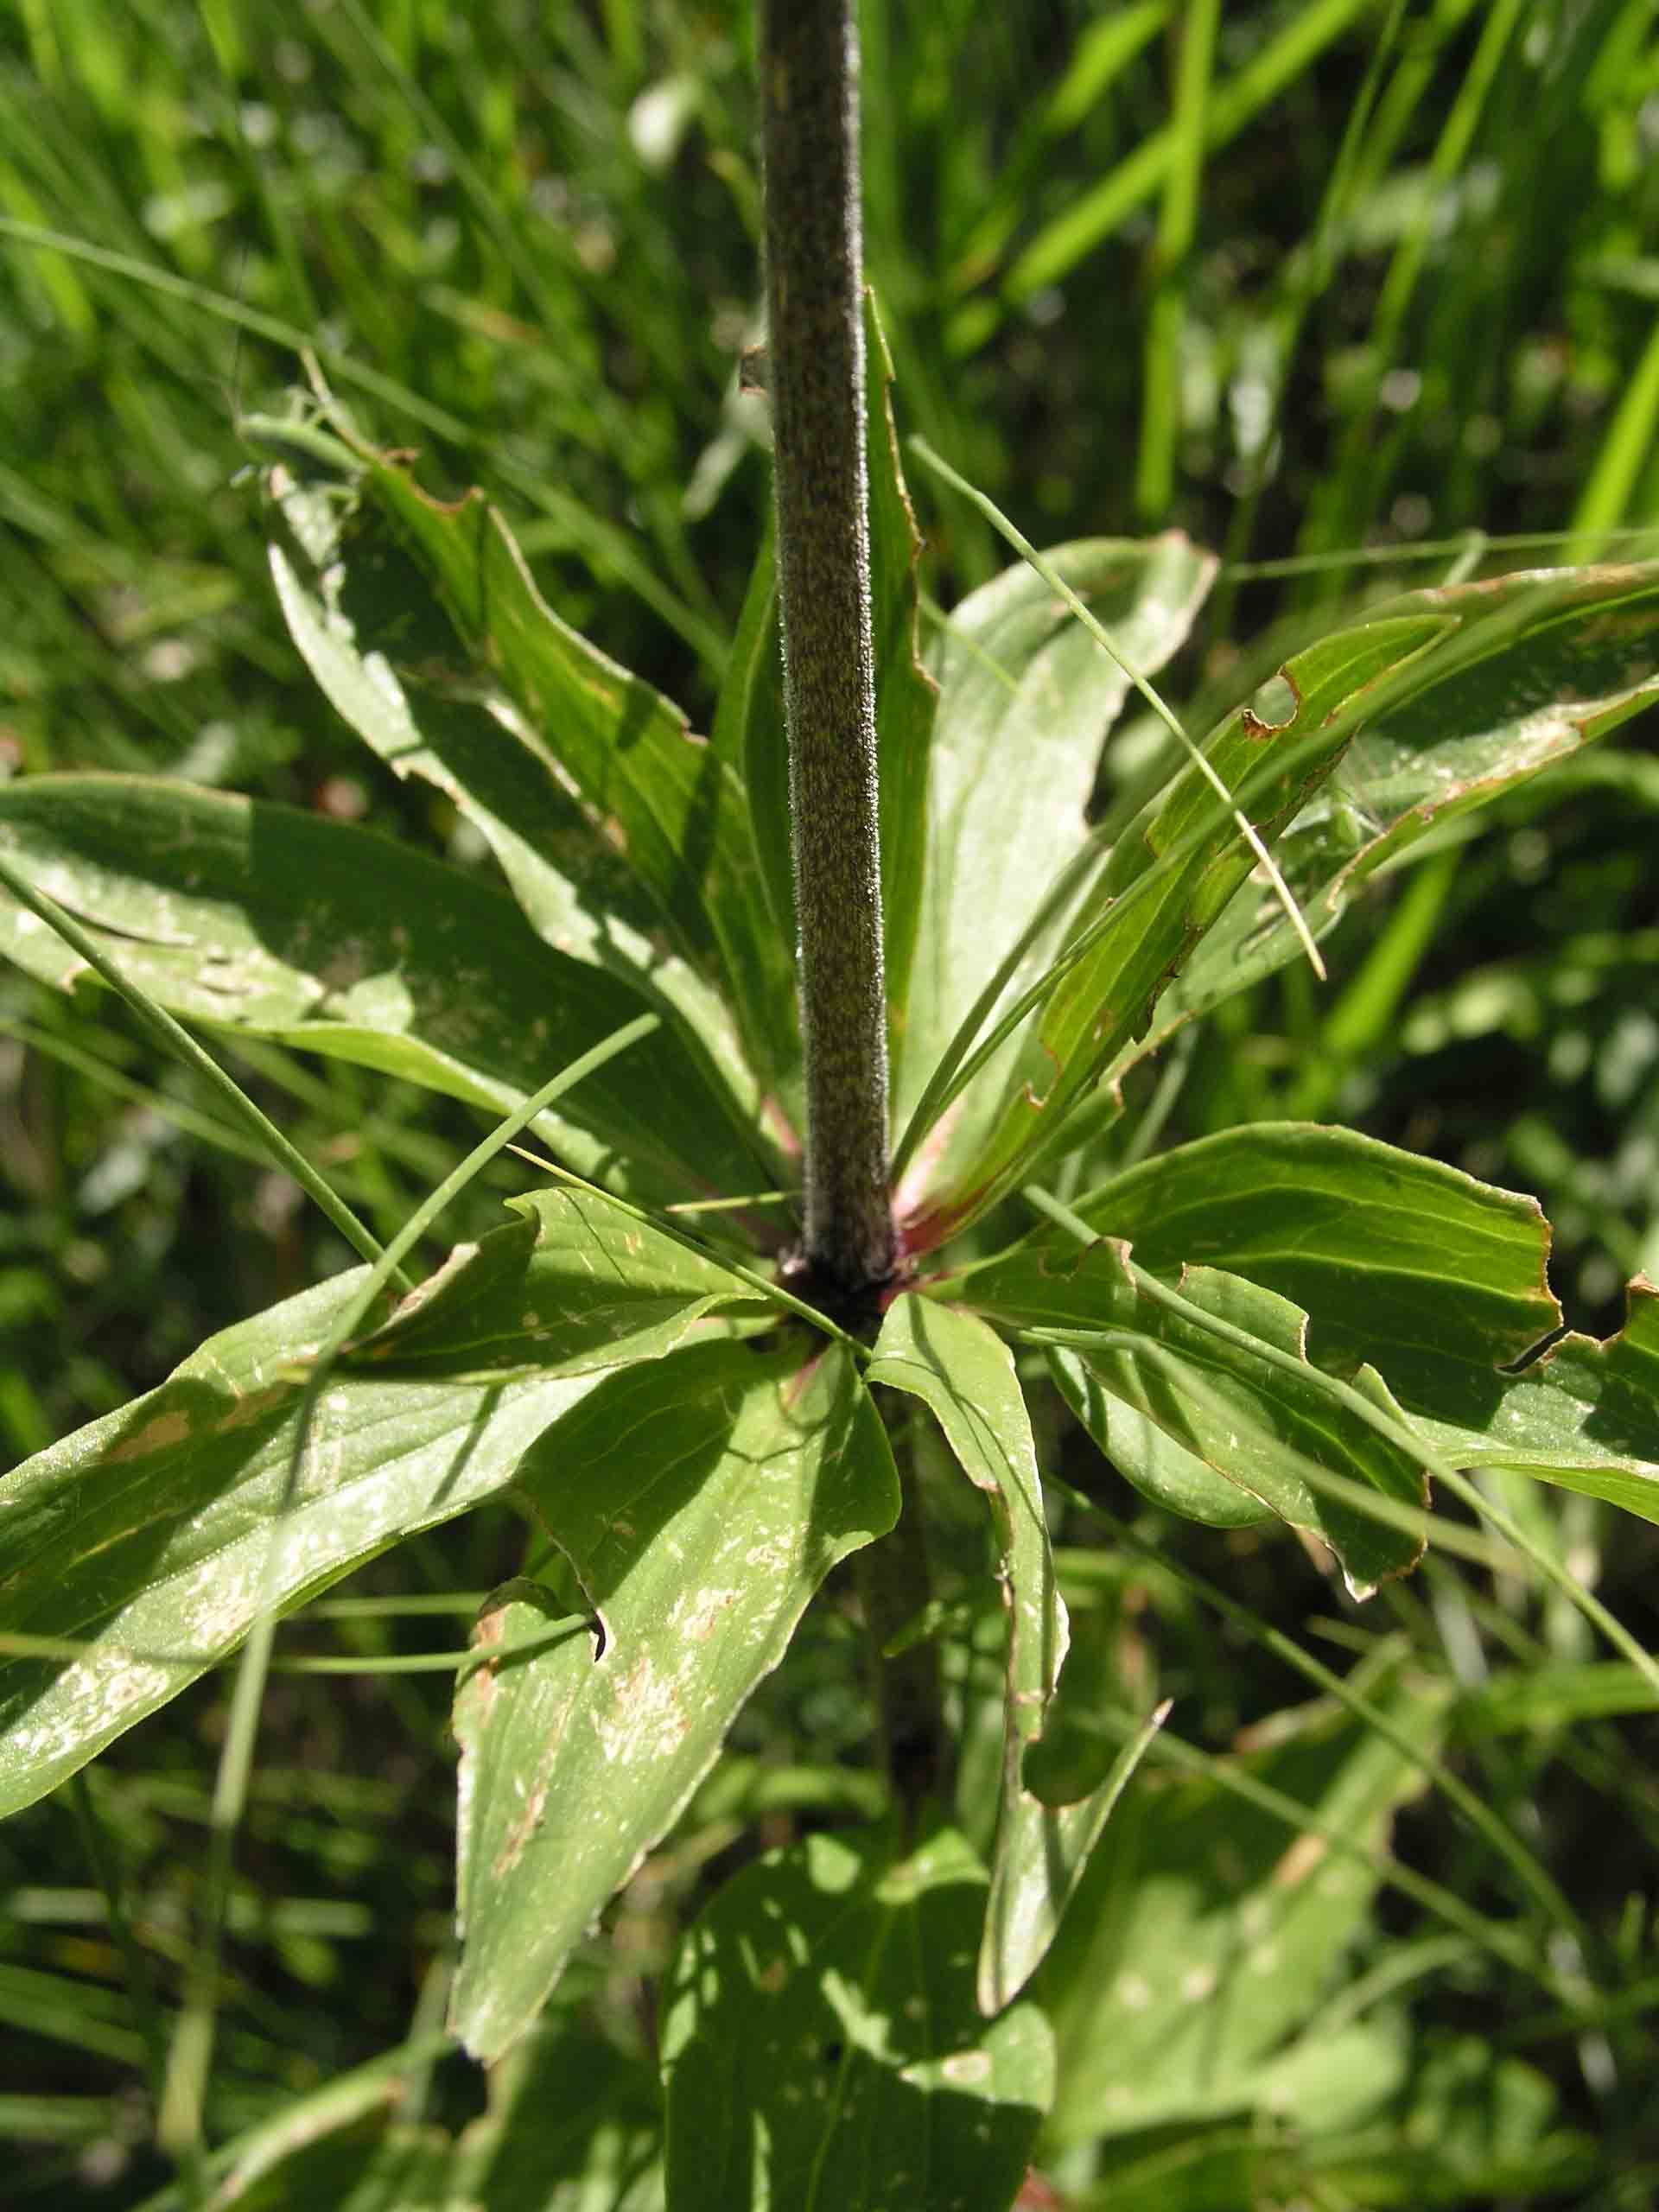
263, 919
667, 800
1169, 876
748, 732
369, 626
1543, 664
1440, 701
1585, 1417
139, 1544
1148, 1456
1221, 1368
906, 696
572, 2127
1205, 1933
1026, 698
1401, 1262
700, 1501
963, 1372
822, 2047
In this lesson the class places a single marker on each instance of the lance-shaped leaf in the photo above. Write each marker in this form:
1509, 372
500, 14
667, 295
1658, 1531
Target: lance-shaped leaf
1543, 665
1221, 1368
1442, 700
139, 1546
366, 619
1026, 698
1586, 1416
701, 1502
822, 2049
671, 805
1169, 876
263, 918
1432, 1277
1208, 1930
963, 1372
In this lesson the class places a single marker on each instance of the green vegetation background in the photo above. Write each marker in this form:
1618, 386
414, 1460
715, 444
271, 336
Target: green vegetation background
523, 239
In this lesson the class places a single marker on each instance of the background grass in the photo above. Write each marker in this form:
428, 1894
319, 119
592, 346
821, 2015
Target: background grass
1346, 290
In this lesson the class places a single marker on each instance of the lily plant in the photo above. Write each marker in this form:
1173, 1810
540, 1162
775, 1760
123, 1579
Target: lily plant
821, 1027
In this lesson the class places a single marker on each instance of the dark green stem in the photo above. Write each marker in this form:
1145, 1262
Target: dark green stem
816, 375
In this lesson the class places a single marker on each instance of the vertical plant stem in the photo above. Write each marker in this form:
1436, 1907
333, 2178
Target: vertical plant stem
816, 373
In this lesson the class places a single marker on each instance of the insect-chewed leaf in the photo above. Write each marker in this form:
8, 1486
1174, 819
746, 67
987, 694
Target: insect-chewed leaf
700, 1501
963, 1372
1221, 1368
1586, 1416
140, 1545
263, 919
1538, 667
822, 2045
1436, 1280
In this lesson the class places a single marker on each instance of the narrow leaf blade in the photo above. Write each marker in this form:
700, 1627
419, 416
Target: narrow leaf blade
963, 1372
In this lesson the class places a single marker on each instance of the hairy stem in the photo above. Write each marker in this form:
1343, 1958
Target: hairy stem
816, 375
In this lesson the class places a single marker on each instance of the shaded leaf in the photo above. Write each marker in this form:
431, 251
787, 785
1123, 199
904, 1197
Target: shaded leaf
963, 1372
571, 2126
143, 1538
1221, 1368
1148, 1456
821, 2046
701, 1502
1027, 699
265, 920
1433, 1278
1205, 1932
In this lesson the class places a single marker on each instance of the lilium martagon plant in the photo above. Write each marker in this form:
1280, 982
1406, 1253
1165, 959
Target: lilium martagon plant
686, 1354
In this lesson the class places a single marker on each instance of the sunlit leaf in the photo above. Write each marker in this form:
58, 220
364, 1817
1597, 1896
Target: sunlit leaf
1436, 1280
265, 920
1572, 655
1585, 1417
141, 1544
1436, 703
700, 1501
822, 2045
964, 1373
666, 800
1027, 699
369, 625
1221, 1368
1152, 898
